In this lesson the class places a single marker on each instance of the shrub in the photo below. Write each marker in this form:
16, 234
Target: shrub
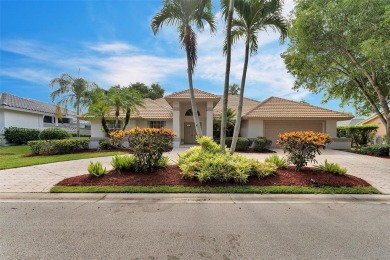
105, 145
332, 168
302, 146
54, 133
96, 169
17, 135
58, 146
360, 134
125, 162
148, 145
261, 143
81, 135
206, 163
243, 144
280, 162
376, 150
265, 169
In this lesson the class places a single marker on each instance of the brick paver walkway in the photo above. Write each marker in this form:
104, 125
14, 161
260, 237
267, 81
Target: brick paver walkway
41, 178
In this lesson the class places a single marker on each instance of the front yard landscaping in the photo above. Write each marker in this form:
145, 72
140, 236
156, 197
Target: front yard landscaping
20, 156
204, 169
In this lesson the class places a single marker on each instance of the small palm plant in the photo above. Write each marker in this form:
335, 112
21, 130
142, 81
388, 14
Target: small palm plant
331, 167
96, 169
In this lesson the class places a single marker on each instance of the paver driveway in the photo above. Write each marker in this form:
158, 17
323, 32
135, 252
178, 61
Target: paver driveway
41, 178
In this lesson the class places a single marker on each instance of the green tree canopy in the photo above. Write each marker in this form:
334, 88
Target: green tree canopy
155, 91
342, 48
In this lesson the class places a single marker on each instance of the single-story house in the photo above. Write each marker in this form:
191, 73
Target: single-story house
260, 118
375, 120
28, 113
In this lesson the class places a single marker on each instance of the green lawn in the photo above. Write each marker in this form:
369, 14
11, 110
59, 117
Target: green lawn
239, 189
14, 157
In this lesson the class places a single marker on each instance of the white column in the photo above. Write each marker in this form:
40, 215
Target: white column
176, 123
56, 121
209, 118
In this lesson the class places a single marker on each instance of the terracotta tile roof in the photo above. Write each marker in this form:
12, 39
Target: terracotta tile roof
12, 101
275, 107
248, 104
185, 94
153, 109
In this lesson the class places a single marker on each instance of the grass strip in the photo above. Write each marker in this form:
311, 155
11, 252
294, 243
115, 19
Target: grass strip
207, 189
15, 156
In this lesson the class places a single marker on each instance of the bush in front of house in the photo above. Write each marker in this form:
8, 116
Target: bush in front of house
54, 133
206, 163
96, 169
105, 145
333, 168
302, 146
360, 134
280, 162
376, 150
243, 144
261, 143
124, 162
58, 146
148, 145
17, 135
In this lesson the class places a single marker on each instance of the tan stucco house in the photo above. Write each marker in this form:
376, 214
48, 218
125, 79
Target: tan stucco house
375, 120
260, 118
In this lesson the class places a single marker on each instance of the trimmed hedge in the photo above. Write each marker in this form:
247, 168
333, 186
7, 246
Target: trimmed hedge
54, 133
261, 143
17, 135
243, 144
360, 134
58, 146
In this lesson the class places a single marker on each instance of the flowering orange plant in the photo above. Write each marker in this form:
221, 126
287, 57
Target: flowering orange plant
302, 146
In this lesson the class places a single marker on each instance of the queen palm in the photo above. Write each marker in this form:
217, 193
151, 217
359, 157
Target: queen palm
186, 14
72, 91
131, 100
253, 16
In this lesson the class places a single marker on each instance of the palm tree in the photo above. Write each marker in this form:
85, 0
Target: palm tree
234, 89
116, 100
253, 16
227, 11
230, 121
132, 99
186, 14
99, 107
72, 91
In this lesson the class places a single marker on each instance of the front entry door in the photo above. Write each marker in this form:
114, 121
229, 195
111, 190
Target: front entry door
189, 133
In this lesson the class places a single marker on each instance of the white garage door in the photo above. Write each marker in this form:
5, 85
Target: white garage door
273, 128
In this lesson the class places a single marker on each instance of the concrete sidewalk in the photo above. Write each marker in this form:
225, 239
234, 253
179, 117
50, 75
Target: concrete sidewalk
41, 178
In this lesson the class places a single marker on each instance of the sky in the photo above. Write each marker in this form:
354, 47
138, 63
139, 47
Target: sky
111, 42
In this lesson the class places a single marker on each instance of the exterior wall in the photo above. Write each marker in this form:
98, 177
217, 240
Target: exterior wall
97, 130
184, 106
255, 128
22, 119
381, 128
331, 128
244, 128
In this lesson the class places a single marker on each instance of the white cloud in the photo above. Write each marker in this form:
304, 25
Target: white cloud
114, 47
32, 75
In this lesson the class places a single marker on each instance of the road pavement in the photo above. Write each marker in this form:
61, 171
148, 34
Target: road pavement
184, 226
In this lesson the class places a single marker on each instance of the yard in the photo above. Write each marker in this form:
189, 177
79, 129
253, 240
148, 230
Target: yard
19, 156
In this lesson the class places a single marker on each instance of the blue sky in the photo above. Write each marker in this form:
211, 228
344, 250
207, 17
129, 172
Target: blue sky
111, 43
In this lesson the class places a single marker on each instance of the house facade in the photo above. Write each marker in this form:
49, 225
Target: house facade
28, 113
266, 118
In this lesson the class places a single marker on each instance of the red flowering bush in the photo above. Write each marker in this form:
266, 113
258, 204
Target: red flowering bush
302, 146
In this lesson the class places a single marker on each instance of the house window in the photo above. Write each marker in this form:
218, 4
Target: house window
156, 124
189, 112
48, 119
64, 120
111, 124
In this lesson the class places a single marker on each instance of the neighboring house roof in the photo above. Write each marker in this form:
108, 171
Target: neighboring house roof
354, 121
368, 119
18, 103
248, 104
275, 107
185, 94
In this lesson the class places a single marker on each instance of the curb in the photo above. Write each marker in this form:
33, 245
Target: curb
140, 198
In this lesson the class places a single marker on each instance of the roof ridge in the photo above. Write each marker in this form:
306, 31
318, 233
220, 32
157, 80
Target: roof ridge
307, 104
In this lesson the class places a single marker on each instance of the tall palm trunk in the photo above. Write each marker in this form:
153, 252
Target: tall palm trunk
127, 119
191, 87
104, 125
227, 76
78, 119
241, 100
117, 119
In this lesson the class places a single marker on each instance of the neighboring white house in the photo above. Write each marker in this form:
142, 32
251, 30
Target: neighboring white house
28, 113
267, 118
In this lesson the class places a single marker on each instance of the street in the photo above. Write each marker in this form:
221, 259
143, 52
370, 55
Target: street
194, 229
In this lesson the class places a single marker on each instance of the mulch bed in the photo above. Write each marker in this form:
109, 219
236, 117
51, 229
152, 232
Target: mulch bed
170, 176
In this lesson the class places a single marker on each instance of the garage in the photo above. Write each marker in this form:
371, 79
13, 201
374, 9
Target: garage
273, 128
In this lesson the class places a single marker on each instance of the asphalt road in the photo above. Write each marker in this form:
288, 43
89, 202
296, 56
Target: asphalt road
220, 230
